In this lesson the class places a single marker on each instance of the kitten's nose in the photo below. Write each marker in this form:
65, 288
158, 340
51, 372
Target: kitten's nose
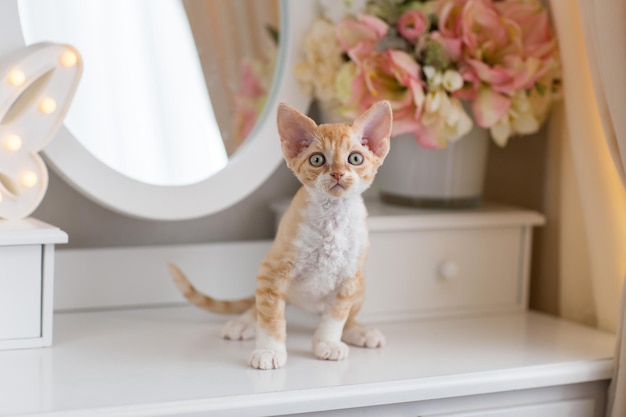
336, 175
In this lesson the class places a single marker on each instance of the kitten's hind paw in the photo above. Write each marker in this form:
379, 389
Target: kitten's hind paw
332, 351
362, 336
238, 330
268, 359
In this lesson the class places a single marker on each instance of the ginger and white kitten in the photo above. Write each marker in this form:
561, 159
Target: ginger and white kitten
316, 261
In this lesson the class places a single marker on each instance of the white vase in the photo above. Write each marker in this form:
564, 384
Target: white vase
452, 177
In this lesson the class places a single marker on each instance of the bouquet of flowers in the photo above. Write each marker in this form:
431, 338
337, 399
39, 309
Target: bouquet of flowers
437, 62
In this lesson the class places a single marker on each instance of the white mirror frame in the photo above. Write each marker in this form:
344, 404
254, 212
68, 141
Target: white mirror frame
245, 172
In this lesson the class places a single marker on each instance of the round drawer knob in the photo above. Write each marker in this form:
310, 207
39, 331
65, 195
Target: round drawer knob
448, 270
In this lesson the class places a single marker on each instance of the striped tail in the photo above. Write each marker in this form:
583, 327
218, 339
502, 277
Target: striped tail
204, 301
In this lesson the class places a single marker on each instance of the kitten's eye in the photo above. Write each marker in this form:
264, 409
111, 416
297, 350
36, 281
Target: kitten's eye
355, 158
317, 160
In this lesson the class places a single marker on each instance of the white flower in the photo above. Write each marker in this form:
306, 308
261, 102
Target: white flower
447, 115
322, 61
457, 122
520, 119
343, 82
452, 80
429, 71
435, 101
501, 131
441, 111
335, 10
434, 78
541, 102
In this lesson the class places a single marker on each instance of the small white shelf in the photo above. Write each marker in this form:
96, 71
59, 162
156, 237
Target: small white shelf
27, 282
29, 231
384, 217
171, 361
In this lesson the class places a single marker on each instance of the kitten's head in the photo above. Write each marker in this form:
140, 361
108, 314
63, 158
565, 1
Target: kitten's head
338, 159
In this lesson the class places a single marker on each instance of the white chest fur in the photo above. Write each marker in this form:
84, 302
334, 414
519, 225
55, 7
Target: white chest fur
329, 244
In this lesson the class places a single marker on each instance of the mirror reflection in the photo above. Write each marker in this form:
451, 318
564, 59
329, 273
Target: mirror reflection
170, 89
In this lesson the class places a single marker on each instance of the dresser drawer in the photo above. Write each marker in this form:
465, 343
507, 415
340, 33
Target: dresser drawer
584, 407
446, 271
26, 282
20, 292
578, 400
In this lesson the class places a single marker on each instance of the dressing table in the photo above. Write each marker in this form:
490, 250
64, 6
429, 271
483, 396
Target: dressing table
171, 362
449, 289
460, 340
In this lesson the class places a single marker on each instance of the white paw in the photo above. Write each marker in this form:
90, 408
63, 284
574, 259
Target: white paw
328, 350
268, 359
362, 336
238, 330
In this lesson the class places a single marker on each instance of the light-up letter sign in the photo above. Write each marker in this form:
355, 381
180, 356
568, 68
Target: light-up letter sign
36, 88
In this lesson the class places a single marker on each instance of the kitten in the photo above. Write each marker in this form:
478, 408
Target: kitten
316, 261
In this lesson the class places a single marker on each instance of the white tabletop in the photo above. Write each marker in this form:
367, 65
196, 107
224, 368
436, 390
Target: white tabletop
387, 217
29, 231
171, 361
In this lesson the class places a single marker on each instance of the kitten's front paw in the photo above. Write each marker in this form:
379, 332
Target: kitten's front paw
332, 351
238, 330
268, 359
362, 336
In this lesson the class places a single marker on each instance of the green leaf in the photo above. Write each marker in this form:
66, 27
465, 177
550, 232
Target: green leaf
273, 32
541, 89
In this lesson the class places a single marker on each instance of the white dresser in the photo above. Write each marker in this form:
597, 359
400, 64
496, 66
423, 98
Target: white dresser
27, 282
433, 263
448, 289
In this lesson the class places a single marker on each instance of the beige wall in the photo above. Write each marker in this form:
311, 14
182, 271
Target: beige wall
90, 225
516, 175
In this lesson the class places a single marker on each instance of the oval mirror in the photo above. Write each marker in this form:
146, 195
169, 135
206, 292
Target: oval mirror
175, 115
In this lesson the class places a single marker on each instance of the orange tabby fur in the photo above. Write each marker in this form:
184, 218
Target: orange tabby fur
318, 255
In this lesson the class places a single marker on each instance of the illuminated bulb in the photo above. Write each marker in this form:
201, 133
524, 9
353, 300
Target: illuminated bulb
47, 105
16, 78
12, 143
28, 179
69, 59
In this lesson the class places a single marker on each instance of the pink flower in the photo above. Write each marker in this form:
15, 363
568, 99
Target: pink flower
483, 31
502, 55
250, 97
506, 47
538, 44
532, 18
381, 75
251, 84
412, 24
490, 106
449, 18
363, 33
452, 46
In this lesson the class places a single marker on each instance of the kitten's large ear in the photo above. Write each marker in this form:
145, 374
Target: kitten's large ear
295, 130
374, 127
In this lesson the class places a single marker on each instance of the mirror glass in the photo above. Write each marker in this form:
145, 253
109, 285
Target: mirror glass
172, 88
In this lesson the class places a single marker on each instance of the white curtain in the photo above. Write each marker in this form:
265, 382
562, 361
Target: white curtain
592, 37
605, 38
142, 105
